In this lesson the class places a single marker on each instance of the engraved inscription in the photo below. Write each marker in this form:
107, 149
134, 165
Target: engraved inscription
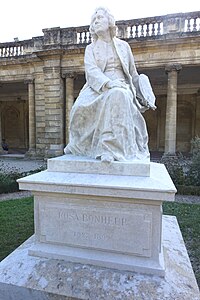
92, 218
124, 231
86, 235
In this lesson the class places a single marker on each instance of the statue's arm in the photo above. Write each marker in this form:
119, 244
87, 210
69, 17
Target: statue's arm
94, 75
144, 93
132, 68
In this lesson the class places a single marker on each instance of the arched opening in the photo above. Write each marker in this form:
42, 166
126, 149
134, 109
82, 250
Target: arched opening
14, 114
13, 129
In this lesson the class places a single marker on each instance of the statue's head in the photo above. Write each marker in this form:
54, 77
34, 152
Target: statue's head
111, 22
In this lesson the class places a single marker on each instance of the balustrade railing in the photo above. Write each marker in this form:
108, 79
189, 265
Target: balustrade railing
140, 29
11, 49
83, 35
192, 22
20, 48
127, 29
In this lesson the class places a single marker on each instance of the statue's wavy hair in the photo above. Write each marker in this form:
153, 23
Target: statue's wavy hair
111, 22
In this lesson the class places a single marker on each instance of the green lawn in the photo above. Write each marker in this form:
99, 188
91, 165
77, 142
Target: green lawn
16, 225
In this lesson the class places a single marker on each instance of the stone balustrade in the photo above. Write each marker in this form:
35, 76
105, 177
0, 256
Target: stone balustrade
12, 49
138, 29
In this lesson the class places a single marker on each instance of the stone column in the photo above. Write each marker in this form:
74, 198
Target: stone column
171, 109
69, 100
31, 106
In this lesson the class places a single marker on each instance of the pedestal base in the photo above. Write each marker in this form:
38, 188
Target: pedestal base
32, 278
101, 213
100, 258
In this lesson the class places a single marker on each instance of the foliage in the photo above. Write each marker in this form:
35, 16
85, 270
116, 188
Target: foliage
195, 144
8, 184
188, 190
175, 168
185, 171
193, 174
8, 178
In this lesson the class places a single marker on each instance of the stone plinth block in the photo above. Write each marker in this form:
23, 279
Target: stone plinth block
73, 164
25, 277
104, 219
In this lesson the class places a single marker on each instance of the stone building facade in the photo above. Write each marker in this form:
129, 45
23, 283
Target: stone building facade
40, 79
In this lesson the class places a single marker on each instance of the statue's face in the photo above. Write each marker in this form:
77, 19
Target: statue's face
100, 22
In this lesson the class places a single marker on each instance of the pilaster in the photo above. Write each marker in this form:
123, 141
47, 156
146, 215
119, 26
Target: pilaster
69, 100
54, 102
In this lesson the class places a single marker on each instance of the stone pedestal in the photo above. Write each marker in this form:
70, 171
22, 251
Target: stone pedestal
98, 235
105, 214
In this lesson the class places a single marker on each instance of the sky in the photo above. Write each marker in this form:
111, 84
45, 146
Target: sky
26, 19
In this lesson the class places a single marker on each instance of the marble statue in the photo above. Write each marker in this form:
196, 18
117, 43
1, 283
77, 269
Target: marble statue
106, 121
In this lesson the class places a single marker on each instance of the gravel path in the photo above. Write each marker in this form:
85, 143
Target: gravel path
14, 196
18, 165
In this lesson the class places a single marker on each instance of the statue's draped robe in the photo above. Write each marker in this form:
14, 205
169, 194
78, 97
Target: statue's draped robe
108, 121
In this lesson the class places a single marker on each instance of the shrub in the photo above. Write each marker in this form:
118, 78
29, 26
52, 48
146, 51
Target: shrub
195, 145
8, 184
184, 171
8, 180
193, 174
175, 168
188, 190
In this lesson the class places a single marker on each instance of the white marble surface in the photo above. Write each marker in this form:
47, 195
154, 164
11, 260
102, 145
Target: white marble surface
101, 215
106, 120
80, 164
156, 187
27, 277
106, 232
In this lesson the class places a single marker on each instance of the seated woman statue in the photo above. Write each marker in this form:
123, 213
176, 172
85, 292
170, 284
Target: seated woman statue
106, 121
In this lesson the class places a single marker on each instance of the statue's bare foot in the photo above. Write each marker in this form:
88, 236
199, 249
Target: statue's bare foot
107, 158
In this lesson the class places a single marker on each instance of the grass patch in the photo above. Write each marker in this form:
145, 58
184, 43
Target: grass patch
16, 224
188, 216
